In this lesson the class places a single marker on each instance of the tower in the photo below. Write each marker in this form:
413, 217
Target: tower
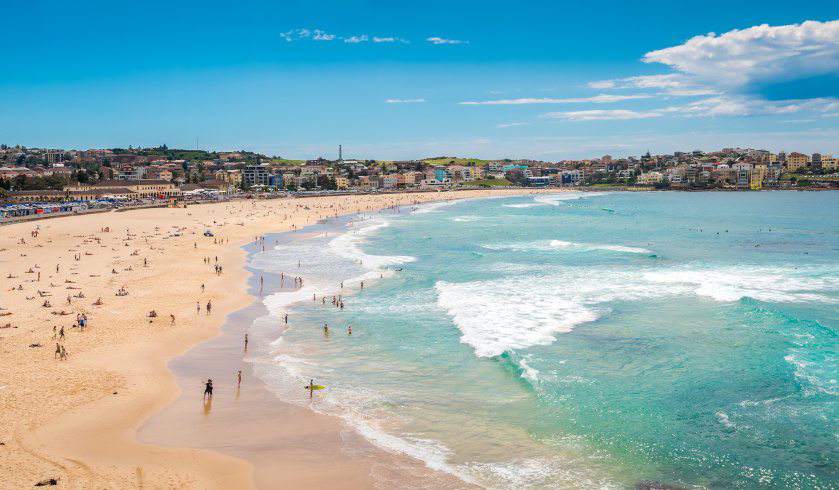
340, 154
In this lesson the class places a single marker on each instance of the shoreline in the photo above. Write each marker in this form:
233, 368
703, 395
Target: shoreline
251, 422
77, 420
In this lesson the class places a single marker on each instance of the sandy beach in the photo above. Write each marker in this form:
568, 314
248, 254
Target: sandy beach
73, 399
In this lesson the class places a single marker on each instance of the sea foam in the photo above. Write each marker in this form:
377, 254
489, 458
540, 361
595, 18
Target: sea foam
347, 246
562, 245
516, 312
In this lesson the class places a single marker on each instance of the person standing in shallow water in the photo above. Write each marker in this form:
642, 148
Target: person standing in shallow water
208, 388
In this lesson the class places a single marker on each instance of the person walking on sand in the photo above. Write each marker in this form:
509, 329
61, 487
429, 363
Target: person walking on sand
209, 306
246, 341
172, 318
208, 388
239, 377
198, 307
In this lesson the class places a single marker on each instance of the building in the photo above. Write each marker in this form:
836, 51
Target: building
54, 157
12, 172
441, 174
743, 176
650, 178
138, 189
389, 181
571, 177
757, 177
232, 176
460, 173
677, 175
158, 173
538, 181
129, 172
256, 175
797, 160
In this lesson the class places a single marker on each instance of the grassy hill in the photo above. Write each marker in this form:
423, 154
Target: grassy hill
287, 161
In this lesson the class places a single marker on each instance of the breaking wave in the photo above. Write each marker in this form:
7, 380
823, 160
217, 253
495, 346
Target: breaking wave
559, 245
495, 316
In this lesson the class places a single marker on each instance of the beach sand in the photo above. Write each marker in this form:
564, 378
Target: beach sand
76, 420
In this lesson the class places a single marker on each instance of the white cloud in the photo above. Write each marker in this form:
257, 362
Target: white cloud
307, 34
441, 40
718, 106
725, 105
319, 35
602, 115
756, 54
597, 99
356, 39
674, 84
602, 84
404, 101
377, 39
726, 67
322, 36
690, 92
511, 125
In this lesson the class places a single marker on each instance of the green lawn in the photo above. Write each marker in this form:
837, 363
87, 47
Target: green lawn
491, 183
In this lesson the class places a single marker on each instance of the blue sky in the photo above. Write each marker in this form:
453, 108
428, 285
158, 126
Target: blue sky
538, 79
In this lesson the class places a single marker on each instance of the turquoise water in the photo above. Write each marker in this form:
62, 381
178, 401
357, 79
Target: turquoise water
578, 339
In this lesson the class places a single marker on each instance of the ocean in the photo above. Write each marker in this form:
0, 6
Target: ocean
577, 339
